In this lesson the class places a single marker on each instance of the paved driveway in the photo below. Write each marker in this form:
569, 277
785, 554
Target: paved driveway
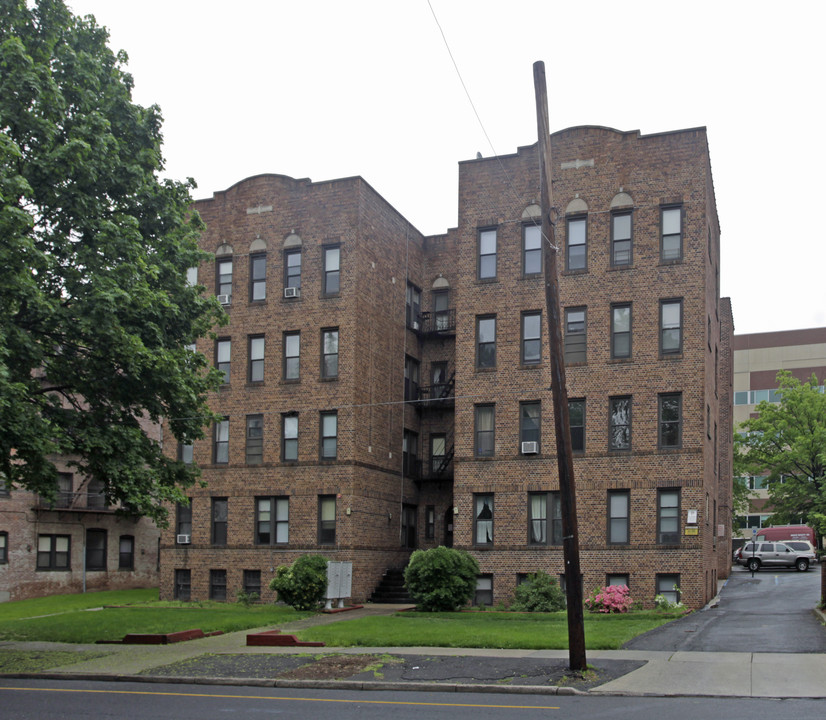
771, 612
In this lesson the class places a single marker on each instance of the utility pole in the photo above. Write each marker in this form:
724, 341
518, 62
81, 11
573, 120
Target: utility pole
567, 488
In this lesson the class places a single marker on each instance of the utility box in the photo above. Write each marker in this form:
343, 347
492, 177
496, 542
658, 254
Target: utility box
339, 583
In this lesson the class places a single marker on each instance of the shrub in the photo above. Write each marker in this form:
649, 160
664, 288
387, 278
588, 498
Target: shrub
246, 599
441, 579
303, 584
663, 604
614, 598
539, 593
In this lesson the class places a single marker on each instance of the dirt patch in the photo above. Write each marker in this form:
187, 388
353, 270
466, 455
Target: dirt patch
333, 667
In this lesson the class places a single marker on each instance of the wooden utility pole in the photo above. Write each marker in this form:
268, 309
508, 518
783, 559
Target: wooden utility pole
567, 488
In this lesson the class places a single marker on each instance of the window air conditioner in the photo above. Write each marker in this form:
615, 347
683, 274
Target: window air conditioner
183, 539
224, 299
530, 448
292, 292
415, 324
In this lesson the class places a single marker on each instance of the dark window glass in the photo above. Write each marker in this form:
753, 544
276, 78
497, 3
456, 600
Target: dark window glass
577, 257
531, 338
329, 353
668, 516
252, 582
668, 585
483, 519
671, 321
272, 520
620, 423
220, 514
223, 277
327, 519
576, 414
332, 268
218, 585
53, 552
183, 584
126, 552
258, 277
484, 591
329, 436
183, 519
575, 345
484, 430
96, 549
292, 268
255, 440
529, 419
670, 420
486, 342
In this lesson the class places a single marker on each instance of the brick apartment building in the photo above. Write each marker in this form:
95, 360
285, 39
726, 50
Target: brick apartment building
387, 391
758, 357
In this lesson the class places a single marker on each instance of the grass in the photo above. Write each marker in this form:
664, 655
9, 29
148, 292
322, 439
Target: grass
25, 661
535, 631
70, 618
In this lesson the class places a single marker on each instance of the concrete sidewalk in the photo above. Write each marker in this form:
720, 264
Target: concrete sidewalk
777, 675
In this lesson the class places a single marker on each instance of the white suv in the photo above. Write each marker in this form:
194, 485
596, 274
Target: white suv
773, 554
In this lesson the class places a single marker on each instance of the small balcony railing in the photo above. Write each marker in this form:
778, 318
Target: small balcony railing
438, 322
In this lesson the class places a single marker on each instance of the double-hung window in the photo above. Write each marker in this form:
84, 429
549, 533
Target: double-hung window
220, 515
411, 379
332, 269
619, 502
577, 247
4, 548
289, 437
619, 418
529, 420
329, 353
256, 359
483, 519
255, 439
575, 338
95, 549
576, 415
668, 585
220, 448
544, 518
272, 520
183, 584
671, 326
531, 249
329, 435
621, 239
486, 342
183, 519
531, 338
668, 516
487, 254
671, 239
218, 585
484, 430
258, 277
621, 331
438, 452
413, 307
326, 519
252, 582
223, 352
292, 269
670, 420
54, 552
126, 552
223, 279
292, 360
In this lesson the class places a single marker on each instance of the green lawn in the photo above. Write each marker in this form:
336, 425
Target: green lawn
72, 619
535, 631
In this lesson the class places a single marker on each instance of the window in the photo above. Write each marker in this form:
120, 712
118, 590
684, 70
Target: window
220, 450
223, 277
430, 522
192, 276
544, 518
326, 519
618, 520
485, 342
616, 579
96, 549
183, 584
292, 269
438, 447
576, 415
329, 353
272, 520
95, 494
65, 490
483, 520
410, 454
441, 310
487, 254
53, 552
252, 582
531, 338
668, 516
289, 437
671, 243
668, 585
223, 349
620, 331
531, 249
577, 257
255, 440
409, 513
484, 590
126, 552
5, 490
256, 359
220, 512
529, 418
332, 268
258, 277
575, 347
413, 307
329, 435
621, 239
411, 379
218, 585
292, 350
484, 430
183, 519
670, 420
671, 323
439, 386
185, 453
619, 437
4, 548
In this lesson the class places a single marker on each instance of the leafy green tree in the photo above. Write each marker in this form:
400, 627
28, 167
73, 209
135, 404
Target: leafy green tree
95, 309
787, 441
303, 584
441, 579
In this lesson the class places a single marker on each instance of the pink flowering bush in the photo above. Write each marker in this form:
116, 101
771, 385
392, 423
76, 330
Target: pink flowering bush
613, 598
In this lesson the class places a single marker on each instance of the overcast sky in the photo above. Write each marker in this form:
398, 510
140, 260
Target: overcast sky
326, 89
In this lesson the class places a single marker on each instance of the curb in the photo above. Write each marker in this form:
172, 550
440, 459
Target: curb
309, 684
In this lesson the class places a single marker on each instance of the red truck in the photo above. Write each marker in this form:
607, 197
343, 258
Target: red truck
786, 532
